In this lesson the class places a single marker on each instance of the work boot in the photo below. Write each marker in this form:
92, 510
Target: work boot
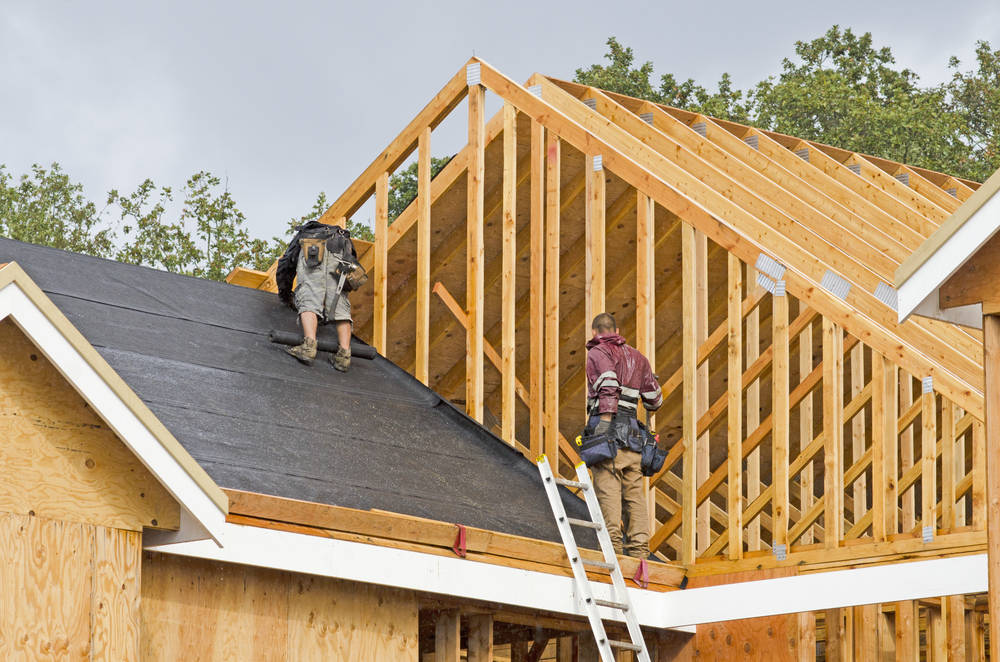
341, 360
305, 352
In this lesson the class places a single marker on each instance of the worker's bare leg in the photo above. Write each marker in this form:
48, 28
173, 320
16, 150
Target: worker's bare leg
306, 352
341, 360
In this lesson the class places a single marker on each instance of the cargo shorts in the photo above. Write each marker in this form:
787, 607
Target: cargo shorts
316, 288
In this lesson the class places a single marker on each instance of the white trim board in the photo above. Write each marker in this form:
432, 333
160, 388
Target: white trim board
314, 555
918, 294
200, 516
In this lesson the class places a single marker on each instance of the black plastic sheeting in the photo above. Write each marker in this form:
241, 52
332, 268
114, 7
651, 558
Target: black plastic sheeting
197, 353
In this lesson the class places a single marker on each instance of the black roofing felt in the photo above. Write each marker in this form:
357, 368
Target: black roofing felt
197, 353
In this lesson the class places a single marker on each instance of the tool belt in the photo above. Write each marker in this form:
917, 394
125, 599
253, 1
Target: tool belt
625, 432
653, 456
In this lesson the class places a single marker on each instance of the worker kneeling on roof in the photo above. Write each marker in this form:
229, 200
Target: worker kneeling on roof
323, 260
618, 449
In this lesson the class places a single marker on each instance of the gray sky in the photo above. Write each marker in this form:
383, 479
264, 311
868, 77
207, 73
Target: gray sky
287, 99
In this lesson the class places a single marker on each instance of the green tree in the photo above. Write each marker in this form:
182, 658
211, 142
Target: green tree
974, 96
46, 207
148, 238
403, 185
357, 229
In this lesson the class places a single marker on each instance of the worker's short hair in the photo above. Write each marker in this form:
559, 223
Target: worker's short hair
604, 322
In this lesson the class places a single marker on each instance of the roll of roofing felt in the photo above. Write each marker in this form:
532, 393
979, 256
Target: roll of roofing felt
359, 350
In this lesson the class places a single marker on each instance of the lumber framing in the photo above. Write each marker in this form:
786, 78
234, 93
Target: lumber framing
719, 210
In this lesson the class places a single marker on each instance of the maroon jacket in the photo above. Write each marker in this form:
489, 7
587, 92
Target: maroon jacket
618, 376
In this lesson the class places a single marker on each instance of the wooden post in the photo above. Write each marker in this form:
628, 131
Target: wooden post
536, 299
866, 645
779, 415
701, 335
381, 248
806, 644
937, 637
860, 496
955, 626
552, 195
908, 498
734, 391
509, 293
753, 412
689, 490
928, 458
422, 335
907, 631
447, 639
480, 638
947, 465
879, 441
475, 274
890, 424
979, 464
991, 342
595, 245
807, 493
833, 433
645, 304
836, 636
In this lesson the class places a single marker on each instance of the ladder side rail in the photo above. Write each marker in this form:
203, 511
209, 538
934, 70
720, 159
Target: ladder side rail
618, 581
576, 561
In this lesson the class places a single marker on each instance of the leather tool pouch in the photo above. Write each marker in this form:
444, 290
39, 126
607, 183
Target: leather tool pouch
355, 279
314, 250
596, 448
653, 456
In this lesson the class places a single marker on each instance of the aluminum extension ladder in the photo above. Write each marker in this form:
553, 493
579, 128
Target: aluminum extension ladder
620, 599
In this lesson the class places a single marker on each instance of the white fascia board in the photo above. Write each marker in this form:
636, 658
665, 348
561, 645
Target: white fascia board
417, 571
205, 518
827, 590
947, 259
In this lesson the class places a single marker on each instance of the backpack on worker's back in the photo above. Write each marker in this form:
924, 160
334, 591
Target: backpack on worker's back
318, 237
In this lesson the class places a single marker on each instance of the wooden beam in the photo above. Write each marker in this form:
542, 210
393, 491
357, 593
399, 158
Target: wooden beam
474, 274
878, 447
552, 174
858, 435
807, 494
833, 431
979, 470
734, 502
689, 492
991, 343
447, 639
381, 274
954, 608
536, 298
753, 411
780, 415
947, 509
594, 267
907, 631
508, 299
480, 638
908, 509
928, 455
422, 335
645, 279
890, 441
702, 401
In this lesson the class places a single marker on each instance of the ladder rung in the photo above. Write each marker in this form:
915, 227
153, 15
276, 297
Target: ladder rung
627, 645
571, 483
584, 522
611, 603
599, 564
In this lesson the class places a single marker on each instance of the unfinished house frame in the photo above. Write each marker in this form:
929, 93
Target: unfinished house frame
808, 428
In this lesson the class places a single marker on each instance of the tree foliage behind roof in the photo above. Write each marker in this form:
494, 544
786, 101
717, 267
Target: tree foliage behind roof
841, 90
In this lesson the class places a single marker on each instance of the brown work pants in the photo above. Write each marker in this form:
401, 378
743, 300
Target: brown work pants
619, 481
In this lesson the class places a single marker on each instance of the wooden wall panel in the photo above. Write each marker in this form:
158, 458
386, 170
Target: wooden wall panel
194, 609
58, 458
115, 597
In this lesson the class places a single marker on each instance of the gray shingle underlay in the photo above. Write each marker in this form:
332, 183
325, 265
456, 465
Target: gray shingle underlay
196, 353
768, 265
835, 284
887, 295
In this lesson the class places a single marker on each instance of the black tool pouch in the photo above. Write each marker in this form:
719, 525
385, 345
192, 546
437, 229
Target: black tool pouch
313, 249
653, 456
596, 448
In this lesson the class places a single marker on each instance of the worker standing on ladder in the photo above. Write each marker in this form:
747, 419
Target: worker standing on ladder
618, 377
